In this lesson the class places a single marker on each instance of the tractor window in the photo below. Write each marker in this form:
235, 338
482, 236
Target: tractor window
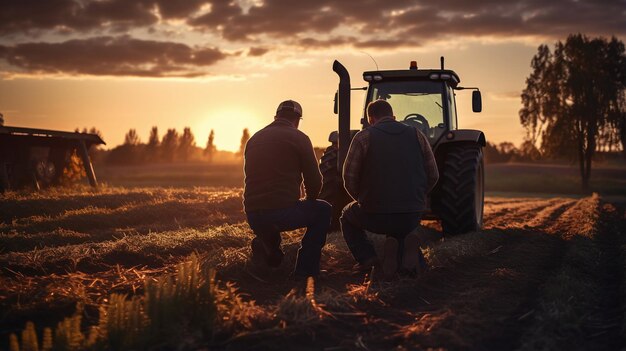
416, 103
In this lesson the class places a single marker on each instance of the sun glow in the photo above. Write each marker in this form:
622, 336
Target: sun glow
228, 124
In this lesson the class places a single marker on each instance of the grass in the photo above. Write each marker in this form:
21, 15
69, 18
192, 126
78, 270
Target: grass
509, 177
552, 179
190, 174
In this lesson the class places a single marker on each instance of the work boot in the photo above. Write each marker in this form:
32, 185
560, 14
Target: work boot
390, 258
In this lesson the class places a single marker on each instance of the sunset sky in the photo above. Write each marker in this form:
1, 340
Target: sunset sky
225, 65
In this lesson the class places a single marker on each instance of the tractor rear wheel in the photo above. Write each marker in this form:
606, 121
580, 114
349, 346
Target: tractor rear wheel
332, 185
459, 196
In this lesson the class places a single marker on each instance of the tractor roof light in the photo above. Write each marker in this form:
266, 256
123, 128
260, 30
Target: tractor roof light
367, 78
413, 65
434, 76
378, 77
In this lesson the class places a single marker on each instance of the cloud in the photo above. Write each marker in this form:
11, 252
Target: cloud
555, 19
112, 56
35, 16
404, 22
95, 27
257, 51
373, 19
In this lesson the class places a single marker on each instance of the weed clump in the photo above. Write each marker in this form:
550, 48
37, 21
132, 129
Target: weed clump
186, 310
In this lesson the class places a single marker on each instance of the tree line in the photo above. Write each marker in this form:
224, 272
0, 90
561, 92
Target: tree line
172, 147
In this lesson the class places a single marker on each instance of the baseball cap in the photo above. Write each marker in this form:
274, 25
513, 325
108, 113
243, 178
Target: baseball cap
290, 105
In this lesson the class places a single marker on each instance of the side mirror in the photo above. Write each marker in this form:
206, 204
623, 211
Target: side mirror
477, 101
335, 105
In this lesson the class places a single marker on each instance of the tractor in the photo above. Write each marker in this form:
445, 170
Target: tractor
424, 99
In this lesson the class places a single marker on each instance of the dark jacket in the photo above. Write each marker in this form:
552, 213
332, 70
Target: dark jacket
277, 158
393, 177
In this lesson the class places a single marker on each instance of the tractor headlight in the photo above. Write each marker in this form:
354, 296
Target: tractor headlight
367, 78
378, 77
434, 76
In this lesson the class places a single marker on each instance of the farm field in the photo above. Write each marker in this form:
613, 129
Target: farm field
499, 177
546, 272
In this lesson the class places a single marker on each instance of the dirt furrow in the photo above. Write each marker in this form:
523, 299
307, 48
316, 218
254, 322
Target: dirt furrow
518, 215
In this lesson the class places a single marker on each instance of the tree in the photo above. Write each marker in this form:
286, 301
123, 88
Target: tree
244, 140
573, 96
186, 144
1, 119
169, 145
131, 138
152, 148
529, 152
617, 108
507, 149
209, 150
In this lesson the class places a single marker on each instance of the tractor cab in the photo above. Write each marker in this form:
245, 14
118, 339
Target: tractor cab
423, 99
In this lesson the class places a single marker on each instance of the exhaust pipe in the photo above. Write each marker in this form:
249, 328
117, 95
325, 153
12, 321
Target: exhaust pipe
344, 113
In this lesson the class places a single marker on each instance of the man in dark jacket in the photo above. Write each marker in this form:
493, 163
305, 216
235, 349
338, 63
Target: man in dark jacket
277, 159
389, 170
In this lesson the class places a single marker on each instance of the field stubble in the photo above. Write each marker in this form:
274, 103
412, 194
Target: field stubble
544, 273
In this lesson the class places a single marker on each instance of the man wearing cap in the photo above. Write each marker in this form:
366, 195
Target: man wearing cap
277, 160
389, 169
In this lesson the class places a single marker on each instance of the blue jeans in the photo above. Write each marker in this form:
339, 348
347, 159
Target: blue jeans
354, 223
267, 225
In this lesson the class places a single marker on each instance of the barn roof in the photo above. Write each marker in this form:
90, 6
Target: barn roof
17, 132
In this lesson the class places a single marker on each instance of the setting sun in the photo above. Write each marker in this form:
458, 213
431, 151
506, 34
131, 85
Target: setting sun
228, 124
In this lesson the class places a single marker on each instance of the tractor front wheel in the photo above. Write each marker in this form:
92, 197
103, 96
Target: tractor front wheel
333, 190
459, 196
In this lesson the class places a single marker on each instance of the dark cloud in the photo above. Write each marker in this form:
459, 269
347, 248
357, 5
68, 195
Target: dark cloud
257, 51
554, 19
285, 18
381, 24
379, 19
324, 43
34, 16
406, 22
113, 56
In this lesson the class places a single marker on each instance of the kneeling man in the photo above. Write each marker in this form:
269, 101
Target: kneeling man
389, 169
277, 159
